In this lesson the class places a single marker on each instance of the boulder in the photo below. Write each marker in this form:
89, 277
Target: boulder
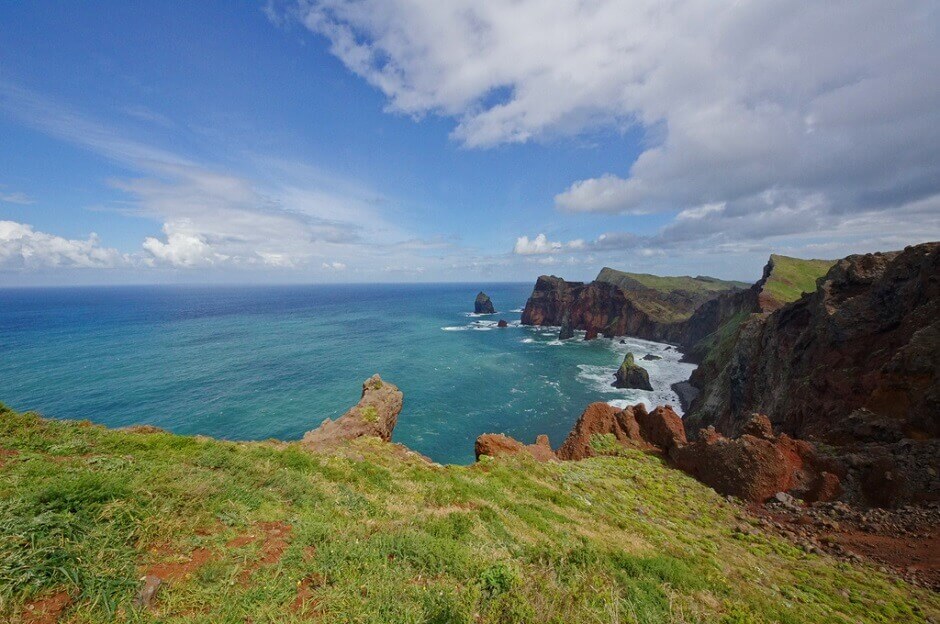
649, 357
632, 375
483, 304
754, 467
661, 428
502, 323
499, 445
375, 415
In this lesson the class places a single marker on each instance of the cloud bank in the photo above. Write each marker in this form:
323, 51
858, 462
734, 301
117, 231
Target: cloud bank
828, 109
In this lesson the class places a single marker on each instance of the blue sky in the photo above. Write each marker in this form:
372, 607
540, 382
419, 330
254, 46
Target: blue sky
409, 141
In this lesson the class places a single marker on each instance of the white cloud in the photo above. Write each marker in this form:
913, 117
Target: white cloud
16, 198
334, 266
183, 247
736, 98
22, 247
538, 245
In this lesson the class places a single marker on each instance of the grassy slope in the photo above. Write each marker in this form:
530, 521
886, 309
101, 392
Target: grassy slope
791, 277
381, 536
672, 298
667, 284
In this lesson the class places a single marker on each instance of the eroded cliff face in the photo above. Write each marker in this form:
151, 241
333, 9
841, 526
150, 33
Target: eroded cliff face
867, 339
600, 308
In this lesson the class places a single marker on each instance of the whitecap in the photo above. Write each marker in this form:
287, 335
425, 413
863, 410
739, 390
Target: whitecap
456, 328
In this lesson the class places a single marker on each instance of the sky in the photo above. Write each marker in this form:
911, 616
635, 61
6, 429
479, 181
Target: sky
470, 140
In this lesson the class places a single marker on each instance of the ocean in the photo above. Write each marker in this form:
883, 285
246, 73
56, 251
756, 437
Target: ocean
259, 362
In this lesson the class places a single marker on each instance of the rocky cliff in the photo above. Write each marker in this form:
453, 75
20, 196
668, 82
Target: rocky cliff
867, 339
616, 304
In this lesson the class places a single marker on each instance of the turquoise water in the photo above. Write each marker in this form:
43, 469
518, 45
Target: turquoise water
249, 363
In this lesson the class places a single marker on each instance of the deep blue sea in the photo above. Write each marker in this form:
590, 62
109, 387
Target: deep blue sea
250, 363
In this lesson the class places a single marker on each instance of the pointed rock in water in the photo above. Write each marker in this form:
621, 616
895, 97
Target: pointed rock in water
649, 357
566, 330
375, 415
502, 323
632, 375
483, 304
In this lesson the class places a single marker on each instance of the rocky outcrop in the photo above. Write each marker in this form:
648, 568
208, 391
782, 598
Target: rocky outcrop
499, 445
631, 427
483, 304
616, 304
632, 375
375, 415
649, 357
502, 323
598, 308
868, 338
756, 465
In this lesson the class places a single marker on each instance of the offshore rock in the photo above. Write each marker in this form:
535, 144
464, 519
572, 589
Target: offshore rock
499, 445
502, 323
483, 304
375, 415
566, 330
632, 375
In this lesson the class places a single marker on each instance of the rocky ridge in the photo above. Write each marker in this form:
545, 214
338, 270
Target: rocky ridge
375, 415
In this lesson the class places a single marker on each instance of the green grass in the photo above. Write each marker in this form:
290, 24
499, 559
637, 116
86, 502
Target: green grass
791, 277
378, 535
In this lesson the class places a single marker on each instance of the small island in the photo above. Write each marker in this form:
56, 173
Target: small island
632, 375
483, 304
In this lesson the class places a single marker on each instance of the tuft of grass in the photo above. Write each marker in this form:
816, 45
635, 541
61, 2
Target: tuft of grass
377, 536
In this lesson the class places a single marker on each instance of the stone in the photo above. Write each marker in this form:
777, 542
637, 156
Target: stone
502, 323
148, 591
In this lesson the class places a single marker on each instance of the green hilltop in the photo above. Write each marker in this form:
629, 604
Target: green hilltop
667, 299
791, 277
371, 532
667, 284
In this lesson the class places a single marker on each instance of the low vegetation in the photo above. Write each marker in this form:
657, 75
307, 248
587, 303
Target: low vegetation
268, 532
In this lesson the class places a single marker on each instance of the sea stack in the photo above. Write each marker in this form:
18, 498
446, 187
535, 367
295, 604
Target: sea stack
483, 304
632, 375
